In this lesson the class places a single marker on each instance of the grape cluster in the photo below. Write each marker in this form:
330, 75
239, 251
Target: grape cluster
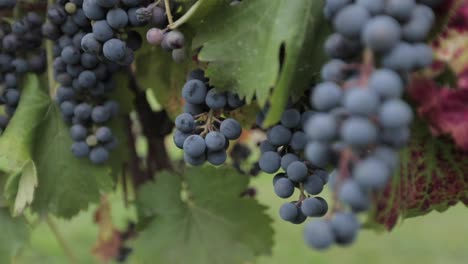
110, 19
284, 149
360, 120
20, 53
203, 131
85, 82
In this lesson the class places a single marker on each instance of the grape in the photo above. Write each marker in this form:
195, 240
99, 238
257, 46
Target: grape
322, 174
193, 109
194, 145
106, 3
270, 162
56, 14
90, 44
70, 8
100, 114
104, 134
334, 71
114, 49
12, 97
266, 146
300, 218
179, 138
87, 79
215, 141
194, 161
279, 135
279, 176
419, 26
333, 6
117, 18
400, 9
231, 129
321, 127
359, 132
70, 55
98, 155
297, 171
179, 55
381, 33
83, 111
386, 83
350, 20
175, 39
133, 18
80, 149
298, 141
288, 212
80, 18
217, 158
326, 96
287, 159
400, 58
351, 194
234, 101
395, 113
373, 6
291, 118
371, 173
360, 101
284, 188
339, 47
102, 31
158, 17
313, 185
388, 156
311, 207
78, 132
185, 123
396, 137
92, 10
89, 61
319, 234
215, 100
345, 227
3, 122
67, 108
423, 55
74, 70
194, 91
318, 154
69, 27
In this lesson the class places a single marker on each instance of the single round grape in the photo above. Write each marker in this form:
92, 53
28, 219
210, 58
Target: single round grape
400, 9
395, 113
89, 61
318, 154
80, 18
360, 101
102, 31
195, 161
418, 27
279, 176
386, 83
321, 127
215, 100
298, 141
400, 58
297, 171
104, 134
99, 155
300, 218
291, 118
179, 55
90, 44
351, 194
133, 17
345, 226
288, 212
114, 49
234, 101
215, 141
270, 162
339, 47
117, 18
194, 145
80, 149
424, 55
371, 173
185, 122
381, 33
334, 71
313, 185
287, 159
100, 114
217, 158
12, 97
70, 8
70, 55
78, 132
93, 11
284, 188
87, 79
83, 111
158, 17
266, 146
312, 207
359, 132
350, 20
388, 155
175, 39
67, 108
279, 135
231, 129
373, 6
194, 91
326, 96
179, 138
319, 235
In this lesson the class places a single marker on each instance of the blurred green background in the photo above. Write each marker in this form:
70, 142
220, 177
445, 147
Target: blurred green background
433, 239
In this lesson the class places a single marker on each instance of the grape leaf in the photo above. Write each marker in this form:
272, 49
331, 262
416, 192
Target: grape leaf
433, 176
15, 235
251, 52
201, 219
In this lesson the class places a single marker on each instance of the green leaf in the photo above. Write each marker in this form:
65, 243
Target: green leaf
21, 187
433, 176
15, 236
251, 52
66, 184
201, 219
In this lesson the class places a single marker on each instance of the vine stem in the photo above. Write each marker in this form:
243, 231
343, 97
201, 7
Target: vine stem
168, 11
179, 22
50, 62
63, 243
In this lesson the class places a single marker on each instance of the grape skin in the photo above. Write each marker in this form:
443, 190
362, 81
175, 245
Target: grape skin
326, 96
318, 234
350, 20
288, 212
284, 188
279, 135
371, 173
297, 171
395, 113
313, 185
345, 227
215, 141
231, 129
194, 146
386, 83
270, 162
321, 127
381, 33
359, 132
194, 91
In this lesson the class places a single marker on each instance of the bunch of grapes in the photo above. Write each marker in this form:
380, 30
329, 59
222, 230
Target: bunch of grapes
360, 120
20, 53
85, 81
284, 149
110, 20
203, 131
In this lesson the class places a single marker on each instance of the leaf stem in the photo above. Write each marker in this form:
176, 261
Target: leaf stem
179, 22
50, 63
168, 11
66, 248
